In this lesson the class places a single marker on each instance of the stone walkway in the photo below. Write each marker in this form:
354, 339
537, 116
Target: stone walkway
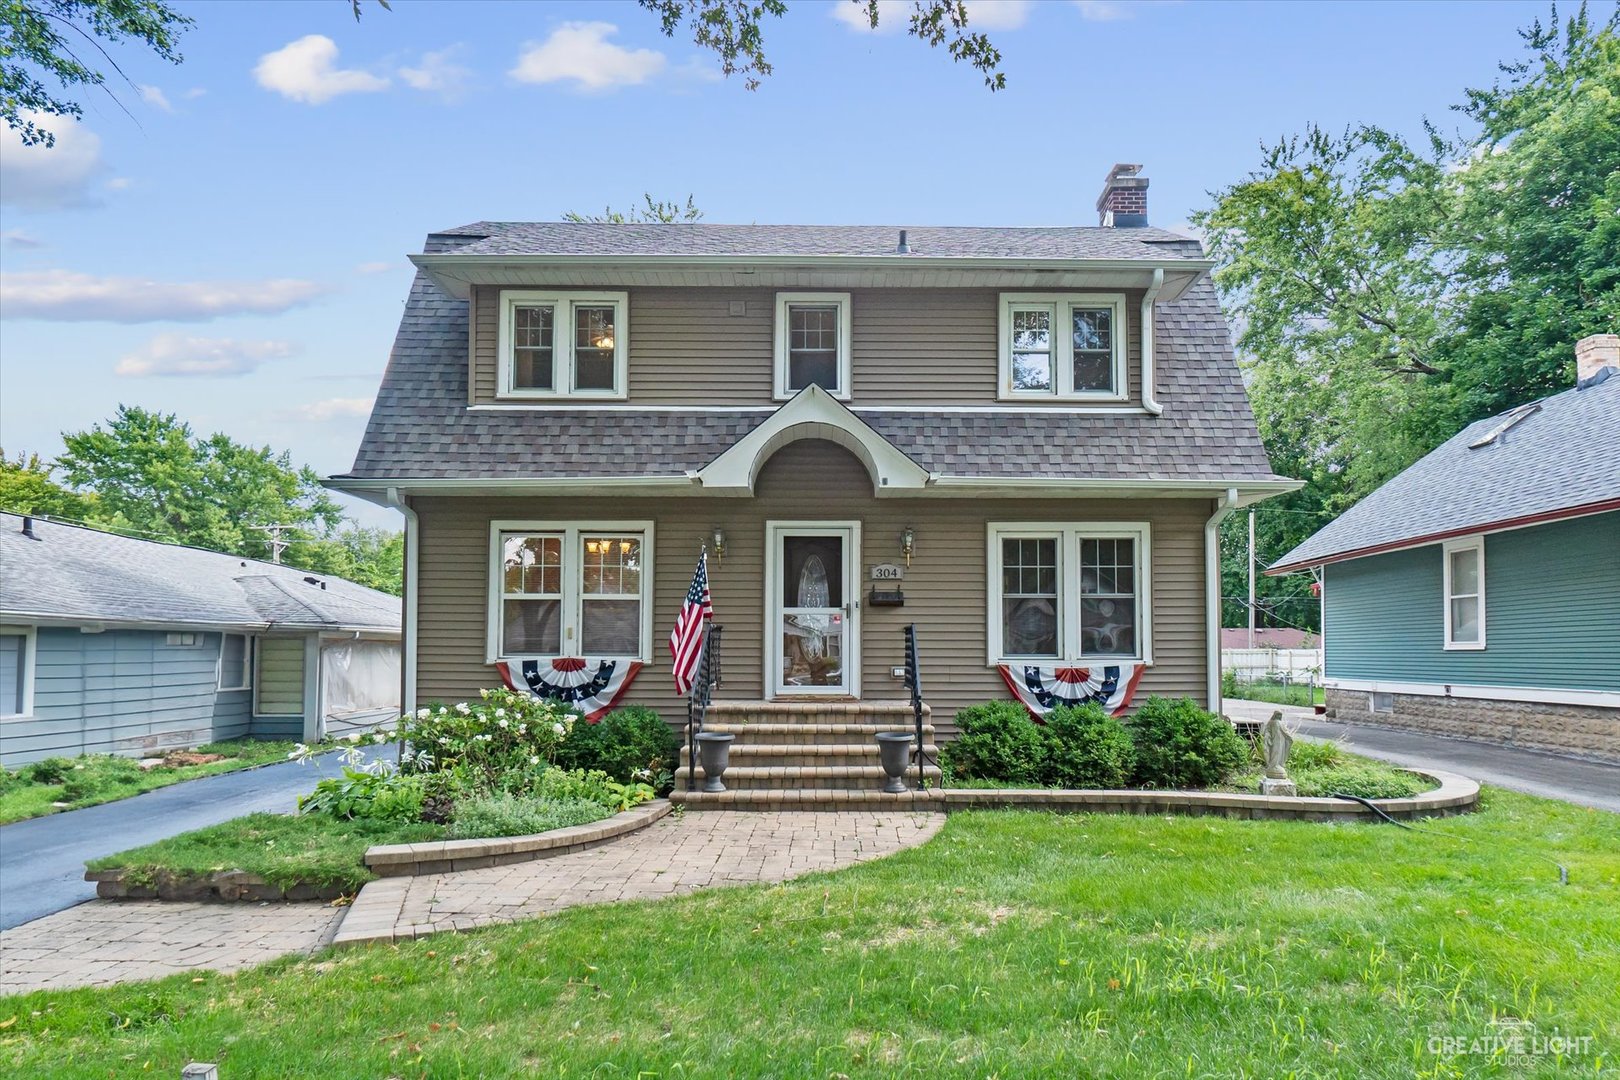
681, 854
111, 941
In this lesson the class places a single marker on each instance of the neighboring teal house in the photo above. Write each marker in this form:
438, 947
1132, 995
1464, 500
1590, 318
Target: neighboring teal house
109, 644
1477, 594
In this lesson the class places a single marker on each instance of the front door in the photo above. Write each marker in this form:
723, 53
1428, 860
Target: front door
812, 600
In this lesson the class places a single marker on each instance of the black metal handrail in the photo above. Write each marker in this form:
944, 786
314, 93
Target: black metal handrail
914, 684
699, 697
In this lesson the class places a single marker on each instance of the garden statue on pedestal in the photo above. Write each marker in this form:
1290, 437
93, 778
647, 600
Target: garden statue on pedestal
1276, 740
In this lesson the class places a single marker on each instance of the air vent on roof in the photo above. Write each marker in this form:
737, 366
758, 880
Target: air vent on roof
902, 248
314, 581
1509, 422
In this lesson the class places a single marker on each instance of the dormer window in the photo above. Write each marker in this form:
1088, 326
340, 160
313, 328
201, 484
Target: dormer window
563, 344
1057, 346
812, 343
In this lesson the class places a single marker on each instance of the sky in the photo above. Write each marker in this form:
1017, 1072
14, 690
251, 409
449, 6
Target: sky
233, 249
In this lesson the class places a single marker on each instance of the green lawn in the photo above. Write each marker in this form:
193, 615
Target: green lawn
1015, 944
99, 778
282, 849
1300, 694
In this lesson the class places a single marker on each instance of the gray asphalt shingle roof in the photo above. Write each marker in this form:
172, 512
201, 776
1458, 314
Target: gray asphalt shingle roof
1557, 457
701, 239
71, 572
420, 427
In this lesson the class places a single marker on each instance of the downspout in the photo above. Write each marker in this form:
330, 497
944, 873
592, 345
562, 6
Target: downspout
1212, 595
407, 637
1148, 299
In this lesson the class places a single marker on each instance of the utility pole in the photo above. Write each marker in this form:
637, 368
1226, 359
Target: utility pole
1251, 579
277, 544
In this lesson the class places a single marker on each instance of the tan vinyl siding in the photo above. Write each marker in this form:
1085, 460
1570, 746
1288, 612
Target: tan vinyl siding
281, 677
945, 586
909, 346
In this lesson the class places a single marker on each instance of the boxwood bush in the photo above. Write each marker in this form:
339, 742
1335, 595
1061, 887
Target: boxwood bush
1086, 748
630, 744
995, 741
1180, 746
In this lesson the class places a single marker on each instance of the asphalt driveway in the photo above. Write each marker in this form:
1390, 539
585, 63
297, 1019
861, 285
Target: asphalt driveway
42, 859
1584, 783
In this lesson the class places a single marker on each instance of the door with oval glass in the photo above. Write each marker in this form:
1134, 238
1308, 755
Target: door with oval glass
813, 596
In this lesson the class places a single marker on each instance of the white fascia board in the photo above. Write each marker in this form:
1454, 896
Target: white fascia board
96, 624
1539, 694
1249, 491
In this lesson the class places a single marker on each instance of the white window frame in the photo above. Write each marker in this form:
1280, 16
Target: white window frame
30, 651
1447, 549
1061, 306
246, 674
572, 584
563, 342
822, 299
1069, 536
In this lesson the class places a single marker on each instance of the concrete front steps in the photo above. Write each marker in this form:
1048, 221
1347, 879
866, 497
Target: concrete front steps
807, 755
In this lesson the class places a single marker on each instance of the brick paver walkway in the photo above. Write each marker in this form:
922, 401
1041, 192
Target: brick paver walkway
677, 855
110, 941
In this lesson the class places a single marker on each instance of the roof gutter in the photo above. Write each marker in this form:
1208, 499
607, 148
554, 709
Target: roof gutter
1212, 596
452, 260
1148, 299
413, 542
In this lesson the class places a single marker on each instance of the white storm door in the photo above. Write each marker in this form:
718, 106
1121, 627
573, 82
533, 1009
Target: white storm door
813, 603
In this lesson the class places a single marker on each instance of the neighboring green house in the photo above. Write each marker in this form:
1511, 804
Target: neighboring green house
1477, 594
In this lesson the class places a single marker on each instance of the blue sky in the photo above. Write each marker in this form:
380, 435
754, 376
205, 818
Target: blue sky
235, 253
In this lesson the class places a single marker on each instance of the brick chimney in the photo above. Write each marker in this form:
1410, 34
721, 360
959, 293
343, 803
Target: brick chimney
1123, 202
1593, 354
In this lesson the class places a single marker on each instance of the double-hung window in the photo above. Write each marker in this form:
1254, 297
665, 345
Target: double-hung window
574, 589
812, 343
1465, 593
16, 671
563, 344
1069, 346
1069, 593
235, 661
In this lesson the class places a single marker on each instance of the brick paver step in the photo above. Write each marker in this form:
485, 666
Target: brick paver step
807, 732
807, 799
808, 754
844, 777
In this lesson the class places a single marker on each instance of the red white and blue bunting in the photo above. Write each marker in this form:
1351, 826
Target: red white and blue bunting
1042, 689
591, 686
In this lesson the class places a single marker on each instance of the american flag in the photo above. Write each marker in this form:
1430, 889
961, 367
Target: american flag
686, 640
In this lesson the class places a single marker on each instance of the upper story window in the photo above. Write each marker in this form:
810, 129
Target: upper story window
1062, 346
812, 343
563, 344
1465, 593
571, 589
1069, 593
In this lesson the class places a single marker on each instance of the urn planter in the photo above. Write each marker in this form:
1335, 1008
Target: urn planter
714, 752
894, 749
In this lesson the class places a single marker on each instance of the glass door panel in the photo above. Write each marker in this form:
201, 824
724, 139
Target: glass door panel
813, 613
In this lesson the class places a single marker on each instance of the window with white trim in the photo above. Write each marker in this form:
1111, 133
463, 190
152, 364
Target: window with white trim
1069, 346
557, 344
1069, 592
571, 590
17, 645
812, 343
235, 662
1465, 593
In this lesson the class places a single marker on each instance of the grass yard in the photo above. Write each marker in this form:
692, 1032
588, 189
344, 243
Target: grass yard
1014, 944
1300, 693
280, 848
100, 778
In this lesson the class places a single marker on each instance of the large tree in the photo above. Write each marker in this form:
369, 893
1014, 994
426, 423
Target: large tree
1390, 291
655, 211
27, 487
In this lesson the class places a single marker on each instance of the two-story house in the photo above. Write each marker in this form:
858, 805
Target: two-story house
1030, 434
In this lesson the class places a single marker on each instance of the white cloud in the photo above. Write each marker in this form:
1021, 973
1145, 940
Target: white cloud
1102, 10
194, 93
997, 14
119, 183
306, 70
579, 52
892, 15
68, 296
438, 73
177, 354
337, 408
156, 98
21, 239
50, 178
380, 267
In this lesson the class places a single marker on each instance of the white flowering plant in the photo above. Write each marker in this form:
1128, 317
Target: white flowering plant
503, 732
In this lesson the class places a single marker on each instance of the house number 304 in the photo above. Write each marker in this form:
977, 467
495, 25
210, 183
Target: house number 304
887, 572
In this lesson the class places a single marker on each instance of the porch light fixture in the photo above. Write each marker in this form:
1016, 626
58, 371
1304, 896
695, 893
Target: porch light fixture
908, 543
719, 544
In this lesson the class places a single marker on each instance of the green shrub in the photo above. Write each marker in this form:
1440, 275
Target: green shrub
504, 814
1180, 746
995, 741
503, 732
367, 796
1368, 779
51, 770
440, 793
1315, 755
9, 780
631, 744
1086, 748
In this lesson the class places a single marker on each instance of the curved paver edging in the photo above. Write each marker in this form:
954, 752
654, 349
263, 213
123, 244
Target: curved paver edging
219, 887
442, 856
1455, 795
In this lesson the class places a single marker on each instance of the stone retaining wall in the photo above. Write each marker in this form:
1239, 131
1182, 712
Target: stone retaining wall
1588, 731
